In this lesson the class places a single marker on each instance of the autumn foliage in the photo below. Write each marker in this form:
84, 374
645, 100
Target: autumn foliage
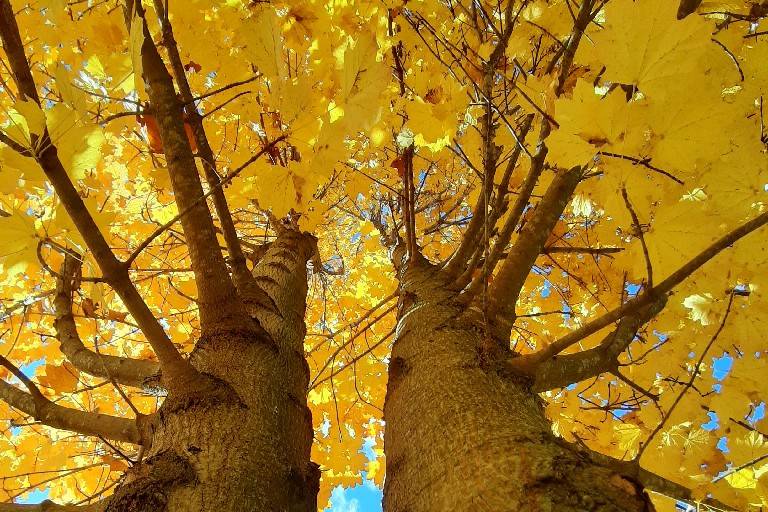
383, 125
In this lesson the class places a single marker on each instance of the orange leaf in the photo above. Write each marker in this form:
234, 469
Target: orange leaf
399, 164
61, 378
117, 315
149, 122
190, 136
89, 307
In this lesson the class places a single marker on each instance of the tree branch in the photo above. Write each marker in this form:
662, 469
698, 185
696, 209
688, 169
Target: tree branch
116, 274
506, 287
583, 19
528, 363
561, 371
48, 413
508, 228
408, 198
648, 480
219, 305
696, 370
479, 223
227, 179
242, 276
131, 372
639, 233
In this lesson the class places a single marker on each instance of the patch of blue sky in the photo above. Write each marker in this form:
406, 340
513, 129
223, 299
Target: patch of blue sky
34, 497
364, 497
367, 448
722, 445
632, 289
721, 366
713, 423
758, 413
29, 368
325, 427
546, 290
618, 413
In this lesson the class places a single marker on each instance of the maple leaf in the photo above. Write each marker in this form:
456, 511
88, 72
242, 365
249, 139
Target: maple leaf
655, 49
61, 378
364, 77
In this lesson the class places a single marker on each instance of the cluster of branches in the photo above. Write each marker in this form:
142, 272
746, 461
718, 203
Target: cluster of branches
224, 286
486, 247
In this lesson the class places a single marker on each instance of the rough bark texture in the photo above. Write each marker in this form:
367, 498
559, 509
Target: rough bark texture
462, 437
245, 446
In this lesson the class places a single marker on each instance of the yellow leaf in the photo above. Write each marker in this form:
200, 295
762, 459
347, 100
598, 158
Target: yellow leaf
364, 78
264, 41
33, 114
78, 144
95, 67
73, 97
18, 239
136, 41
652, 49
742, 479
568, 150
25, 167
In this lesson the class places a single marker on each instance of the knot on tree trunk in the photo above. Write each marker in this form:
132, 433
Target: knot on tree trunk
215, 392
149, 483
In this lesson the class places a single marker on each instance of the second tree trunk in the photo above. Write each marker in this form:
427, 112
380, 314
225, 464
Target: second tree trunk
461, 437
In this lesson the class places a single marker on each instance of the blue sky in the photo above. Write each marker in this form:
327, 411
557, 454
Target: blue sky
365, 497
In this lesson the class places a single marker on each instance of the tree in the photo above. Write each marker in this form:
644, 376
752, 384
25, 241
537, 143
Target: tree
242, 390
541, 219
585, 127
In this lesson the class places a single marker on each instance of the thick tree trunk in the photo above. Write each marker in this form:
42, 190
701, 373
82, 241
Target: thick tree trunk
462, 437
244, 446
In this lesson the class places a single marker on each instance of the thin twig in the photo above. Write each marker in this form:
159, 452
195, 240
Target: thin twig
644, 162
229, 177
689, 384
639, 233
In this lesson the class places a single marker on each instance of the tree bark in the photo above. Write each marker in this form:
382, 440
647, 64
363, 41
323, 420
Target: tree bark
462, 436
245, 446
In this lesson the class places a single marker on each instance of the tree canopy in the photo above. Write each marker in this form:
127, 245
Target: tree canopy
441, 124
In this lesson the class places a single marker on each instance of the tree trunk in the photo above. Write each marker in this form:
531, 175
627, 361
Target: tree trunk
245, 445
460, 436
